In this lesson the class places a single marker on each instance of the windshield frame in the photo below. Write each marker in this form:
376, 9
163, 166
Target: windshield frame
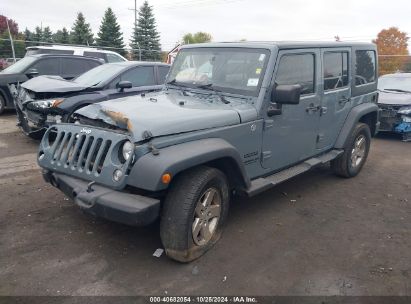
216, 87
20, 65
121, 69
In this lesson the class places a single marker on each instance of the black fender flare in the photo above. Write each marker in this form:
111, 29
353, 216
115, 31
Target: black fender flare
147, 171
352, 119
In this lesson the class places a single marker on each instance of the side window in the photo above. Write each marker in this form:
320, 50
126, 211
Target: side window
92, 64
113, 84
95, 55
47, 66
162, 73
73, 67
365, 67
114, 58
335, 70
297, 69
140, 76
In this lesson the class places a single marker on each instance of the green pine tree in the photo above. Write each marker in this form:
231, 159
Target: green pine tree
110, 34
47, 35
61, 36
37, 35
28, 36
81, 31
145, 35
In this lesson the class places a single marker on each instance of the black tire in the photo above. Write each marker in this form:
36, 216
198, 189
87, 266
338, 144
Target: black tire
2, 104
343, 166
179, 214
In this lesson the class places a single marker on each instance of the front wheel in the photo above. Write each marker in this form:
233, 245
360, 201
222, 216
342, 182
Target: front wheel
350, 163
194, 212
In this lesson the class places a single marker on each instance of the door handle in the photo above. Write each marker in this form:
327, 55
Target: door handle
312, 108
343, 100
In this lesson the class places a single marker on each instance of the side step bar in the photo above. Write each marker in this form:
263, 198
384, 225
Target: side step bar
263, 183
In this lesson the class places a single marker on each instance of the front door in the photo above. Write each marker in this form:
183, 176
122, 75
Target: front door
292, 136
336, 101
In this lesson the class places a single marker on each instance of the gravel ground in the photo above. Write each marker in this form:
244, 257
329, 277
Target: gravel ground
314, 235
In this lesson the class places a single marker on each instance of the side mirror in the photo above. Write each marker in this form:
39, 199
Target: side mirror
124, 85
32, 73
286, 93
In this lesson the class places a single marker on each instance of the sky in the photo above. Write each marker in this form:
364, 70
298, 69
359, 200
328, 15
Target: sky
227, 20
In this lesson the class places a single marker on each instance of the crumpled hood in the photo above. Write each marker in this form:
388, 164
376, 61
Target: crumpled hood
161, 114
394, 98
51, 84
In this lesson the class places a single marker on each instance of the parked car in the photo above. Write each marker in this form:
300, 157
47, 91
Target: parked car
45, 100
233, 118
395, 104
107, 56
66, 66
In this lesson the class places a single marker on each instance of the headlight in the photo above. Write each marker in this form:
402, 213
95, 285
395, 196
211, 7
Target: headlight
405, 110
45, 104
127, 150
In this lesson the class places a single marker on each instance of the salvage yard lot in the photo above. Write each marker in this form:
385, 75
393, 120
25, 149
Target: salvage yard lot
314, 235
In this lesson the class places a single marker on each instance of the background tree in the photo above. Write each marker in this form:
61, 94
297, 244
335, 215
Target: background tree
145, 35
62, 36
110, 34
391, 42
37, 35
47, 35
199, 37
14, 27
81, 31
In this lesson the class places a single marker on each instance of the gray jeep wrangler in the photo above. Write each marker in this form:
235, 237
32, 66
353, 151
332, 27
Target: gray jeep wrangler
233, 118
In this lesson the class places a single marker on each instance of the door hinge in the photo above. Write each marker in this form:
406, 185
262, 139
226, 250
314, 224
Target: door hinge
268, 123
265, 154
320, 137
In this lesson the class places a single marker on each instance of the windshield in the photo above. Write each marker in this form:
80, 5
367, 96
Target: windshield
231, 70
20, 66
395, 83
98, 75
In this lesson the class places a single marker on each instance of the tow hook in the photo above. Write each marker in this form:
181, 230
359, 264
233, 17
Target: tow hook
89, 189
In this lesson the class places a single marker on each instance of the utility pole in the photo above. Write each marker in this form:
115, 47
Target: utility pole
11, 40
135, 12
135, 25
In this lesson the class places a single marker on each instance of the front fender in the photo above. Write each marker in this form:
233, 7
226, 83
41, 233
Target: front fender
147, 171
352, 119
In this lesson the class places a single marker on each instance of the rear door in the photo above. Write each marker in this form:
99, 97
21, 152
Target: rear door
336, 96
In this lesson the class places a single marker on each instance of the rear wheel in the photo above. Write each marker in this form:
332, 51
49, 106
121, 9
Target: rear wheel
194, 212
350, 163
2, 104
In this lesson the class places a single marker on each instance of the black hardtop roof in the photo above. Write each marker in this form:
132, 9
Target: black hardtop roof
284, 44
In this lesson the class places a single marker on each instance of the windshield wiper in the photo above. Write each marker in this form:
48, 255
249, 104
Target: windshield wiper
182, 86
209, 86
397, 90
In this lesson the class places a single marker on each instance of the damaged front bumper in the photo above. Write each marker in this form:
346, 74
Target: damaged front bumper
33, 123
118, 206
396, 119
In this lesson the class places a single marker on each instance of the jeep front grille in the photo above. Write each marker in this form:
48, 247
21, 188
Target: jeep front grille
80, 152
88, 153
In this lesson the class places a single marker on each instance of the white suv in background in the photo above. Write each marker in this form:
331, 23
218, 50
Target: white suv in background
107, 56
